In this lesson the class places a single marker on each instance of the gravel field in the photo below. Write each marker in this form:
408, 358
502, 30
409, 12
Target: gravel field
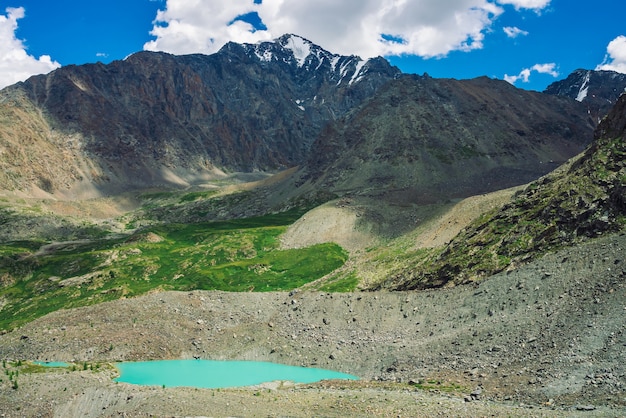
547, 339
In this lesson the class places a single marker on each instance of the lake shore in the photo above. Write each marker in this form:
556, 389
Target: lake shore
546, 339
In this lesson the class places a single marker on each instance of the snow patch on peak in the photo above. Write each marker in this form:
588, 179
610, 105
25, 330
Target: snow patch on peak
357, 71
265, 55
343, 71
299, 104
584, 88
582, 94
300, 48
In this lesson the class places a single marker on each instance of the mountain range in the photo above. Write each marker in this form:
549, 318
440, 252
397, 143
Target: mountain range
350, 125
343, 127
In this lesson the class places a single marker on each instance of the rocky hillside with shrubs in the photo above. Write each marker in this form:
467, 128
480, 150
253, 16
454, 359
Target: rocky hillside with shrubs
584, 199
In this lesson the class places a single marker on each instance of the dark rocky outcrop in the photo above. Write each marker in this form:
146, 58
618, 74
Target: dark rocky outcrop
598, 90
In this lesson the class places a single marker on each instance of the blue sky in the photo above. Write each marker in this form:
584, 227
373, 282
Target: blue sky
530, 43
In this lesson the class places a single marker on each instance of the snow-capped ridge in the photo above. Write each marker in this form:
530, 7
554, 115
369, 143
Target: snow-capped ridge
299, 47
305, 55
356, 76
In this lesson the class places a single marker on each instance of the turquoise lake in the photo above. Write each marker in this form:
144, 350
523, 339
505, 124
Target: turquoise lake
218, 374
52, 363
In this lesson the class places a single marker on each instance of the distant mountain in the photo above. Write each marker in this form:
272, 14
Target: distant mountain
585, 198
156, 118
599, 90
421, 139
351, 125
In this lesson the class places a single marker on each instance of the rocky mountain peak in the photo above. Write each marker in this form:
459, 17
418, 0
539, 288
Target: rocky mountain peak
423, 139
247, 107
302, 49
599, 90
305, 58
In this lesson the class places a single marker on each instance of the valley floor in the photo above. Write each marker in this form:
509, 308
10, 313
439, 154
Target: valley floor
547, 339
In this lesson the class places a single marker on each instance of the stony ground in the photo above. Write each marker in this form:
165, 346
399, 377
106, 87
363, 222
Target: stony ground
547, 339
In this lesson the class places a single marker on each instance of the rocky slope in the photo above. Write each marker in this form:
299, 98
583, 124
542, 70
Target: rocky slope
421, 140
36, 157
583, 199
156, 118
598, 90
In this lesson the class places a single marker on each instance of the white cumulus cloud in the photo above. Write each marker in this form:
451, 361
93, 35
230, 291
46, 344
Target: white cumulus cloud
428, 28
615, 59
524, 75
15, 62
513, 32
527, 4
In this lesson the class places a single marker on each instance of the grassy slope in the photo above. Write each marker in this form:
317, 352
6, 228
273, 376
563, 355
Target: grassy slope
237, 255
382, 257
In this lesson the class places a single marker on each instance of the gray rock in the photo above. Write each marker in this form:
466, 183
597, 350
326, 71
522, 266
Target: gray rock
585, 408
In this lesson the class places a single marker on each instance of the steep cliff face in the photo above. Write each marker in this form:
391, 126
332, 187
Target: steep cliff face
598, 90
422, 139
245, 108
32, 154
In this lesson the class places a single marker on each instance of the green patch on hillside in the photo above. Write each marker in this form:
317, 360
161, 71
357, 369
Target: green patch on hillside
436, 385
21, 222
346, 283
235, 255
193, 196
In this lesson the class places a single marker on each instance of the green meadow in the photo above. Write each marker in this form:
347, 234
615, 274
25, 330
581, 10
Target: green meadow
237, 255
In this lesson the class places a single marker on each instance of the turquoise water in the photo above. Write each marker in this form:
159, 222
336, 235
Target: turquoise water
52, 363
218, 374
